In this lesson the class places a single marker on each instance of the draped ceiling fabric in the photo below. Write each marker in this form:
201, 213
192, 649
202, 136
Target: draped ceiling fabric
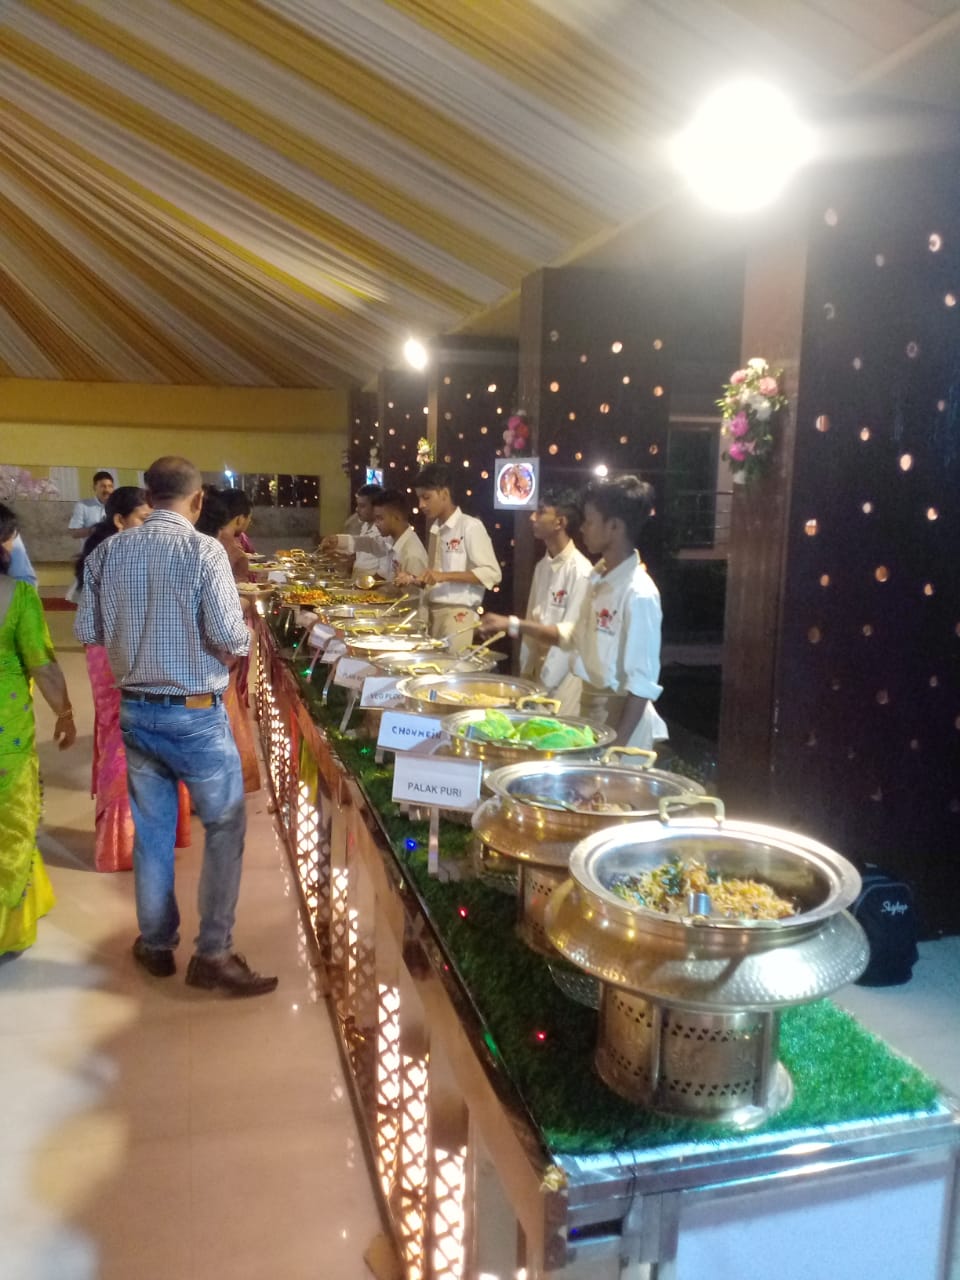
276, 193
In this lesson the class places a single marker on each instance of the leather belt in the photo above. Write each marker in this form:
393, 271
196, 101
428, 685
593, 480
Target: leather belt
195, 701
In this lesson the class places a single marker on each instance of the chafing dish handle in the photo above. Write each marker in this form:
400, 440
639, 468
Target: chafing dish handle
536, 701
690, 800
647, 759
426, 669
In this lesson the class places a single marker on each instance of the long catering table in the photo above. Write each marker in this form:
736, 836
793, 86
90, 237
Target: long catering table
474, 1182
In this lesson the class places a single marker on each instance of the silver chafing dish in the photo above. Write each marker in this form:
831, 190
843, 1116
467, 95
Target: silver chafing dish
346, 613
438, 663
488, 689
690, 1004
417, 662
532, 821
371, 645
500, 752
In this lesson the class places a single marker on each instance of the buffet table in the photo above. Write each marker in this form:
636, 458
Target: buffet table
496, 1149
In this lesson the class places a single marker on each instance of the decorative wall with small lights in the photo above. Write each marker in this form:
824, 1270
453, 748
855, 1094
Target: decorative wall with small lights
596, 352
364, 432
403, 413
473, 392
605, 375
868, 739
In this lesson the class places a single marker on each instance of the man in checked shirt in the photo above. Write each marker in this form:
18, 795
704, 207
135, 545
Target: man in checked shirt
162, 599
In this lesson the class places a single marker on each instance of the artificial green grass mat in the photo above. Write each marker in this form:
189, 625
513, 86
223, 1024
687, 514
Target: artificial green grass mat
545, 1041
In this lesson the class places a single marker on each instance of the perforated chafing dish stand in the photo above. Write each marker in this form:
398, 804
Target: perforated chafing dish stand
690, 1004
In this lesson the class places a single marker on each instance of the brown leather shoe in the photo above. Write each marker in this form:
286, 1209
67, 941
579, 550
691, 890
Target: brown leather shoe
158, 961
232, 975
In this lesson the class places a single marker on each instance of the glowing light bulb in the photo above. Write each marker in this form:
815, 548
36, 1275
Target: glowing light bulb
415, 353
748, 108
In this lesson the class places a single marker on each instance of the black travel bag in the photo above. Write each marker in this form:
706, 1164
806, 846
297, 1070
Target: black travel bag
885, 911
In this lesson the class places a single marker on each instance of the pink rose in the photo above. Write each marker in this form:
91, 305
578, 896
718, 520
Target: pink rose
737, 452
768, 386
738, 377
739, 426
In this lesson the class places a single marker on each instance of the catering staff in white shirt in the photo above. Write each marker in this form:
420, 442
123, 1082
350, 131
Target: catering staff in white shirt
557, 591
88, 513
368, 548
616, 641
462, 561
406, 554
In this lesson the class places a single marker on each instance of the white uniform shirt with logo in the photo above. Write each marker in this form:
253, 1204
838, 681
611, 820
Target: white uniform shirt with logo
462, 543
616, 641
557, 591
407, 555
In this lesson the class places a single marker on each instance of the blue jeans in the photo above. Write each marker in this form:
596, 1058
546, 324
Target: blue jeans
166, 744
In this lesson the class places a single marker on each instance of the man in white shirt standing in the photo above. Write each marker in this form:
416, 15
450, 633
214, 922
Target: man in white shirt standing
406, 553
88, 513
616, 640
557, 591
370, 552
462, 561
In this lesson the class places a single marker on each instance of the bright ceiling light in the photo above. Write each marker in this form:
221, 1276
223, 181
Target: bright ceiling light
601, 470
743, 146
415, 353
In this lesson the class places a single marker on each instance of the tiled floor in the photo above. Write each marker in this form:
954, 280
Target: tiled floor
151, 1130
922, 1018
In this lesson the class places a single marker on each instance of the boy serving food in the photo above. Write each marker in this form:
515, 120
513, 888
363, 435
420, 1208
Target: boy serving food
615, 641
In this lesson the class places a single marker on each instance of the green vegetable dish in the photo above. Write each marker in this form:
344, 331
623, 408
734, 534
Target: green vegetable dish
539, 731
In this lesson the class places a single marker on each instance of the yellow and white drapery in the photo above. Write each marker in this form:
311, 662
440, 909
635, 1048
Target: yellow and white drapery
276, 192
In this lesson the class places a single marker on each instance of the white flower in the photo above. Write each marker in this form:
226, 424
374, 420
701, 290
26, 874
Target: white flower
761, 408
757, 363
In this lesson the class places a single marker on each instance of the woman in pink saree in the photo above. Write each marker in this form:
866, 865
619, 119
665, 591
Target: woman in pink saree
125, 509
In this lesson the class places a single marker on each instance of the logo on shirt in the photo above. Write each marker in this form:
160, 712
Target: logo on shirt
452, 544
558, 597
605, 621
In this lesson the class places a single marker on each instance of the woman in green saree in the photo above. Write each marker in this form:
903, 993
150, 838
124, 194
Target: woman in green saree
26, 656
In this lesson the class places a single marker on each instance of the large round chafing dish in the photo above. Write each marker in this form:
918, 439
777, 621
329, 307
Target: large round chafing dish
502, 752
350, 627
416, 662
348, 613
438, 663
432, 692
690, 1004
371, 645
531, 821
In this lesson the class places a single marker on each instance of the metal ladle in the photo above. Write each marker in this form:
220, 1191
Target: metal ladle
475, 650
396, 604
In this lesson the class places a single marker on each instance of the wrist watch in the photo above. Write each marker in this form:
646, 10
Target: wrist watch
513, 626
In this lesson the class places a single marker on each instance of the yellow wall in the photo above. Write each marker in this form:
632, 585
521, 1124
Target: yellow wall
93, 425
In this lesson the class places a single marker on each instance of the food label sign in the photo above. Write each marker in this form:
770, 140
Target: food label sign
320, 635
352, 672
381, 691
333, 652
400, 732
445, 784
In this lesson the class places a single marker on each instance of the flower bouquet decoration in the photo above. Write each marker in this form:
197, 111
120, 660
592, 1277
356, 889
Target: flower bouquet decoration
751, 400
